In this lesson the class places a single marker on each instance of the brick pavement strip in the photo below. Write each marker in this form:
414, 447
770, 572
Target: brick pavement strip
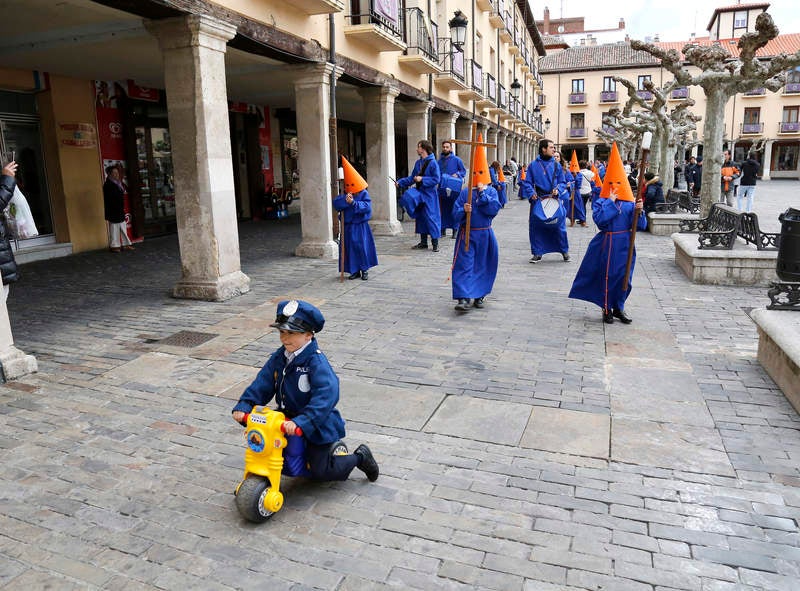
119, 457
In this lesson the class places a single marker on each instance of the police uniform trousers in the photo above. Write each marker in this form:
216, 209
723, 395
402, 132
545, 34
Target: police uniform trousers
325, 466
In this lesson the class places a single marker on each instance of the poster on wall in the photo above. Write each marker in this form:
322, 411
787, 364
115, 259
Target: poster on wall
265, 143
110, 139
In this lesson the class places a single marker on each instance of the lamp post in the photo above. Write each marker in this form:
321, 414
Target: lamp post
547, 124
458, 29
515, 88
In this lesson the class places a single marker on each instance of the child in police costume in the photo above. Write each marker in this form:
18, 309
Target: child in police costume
602, 271
306, 389
357, 254
475, 270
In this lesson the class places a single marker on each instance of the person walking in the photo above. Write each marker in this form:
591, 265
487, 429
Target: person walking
452, 171
729, 172
8, 264
425, 177
747, 189
114, 202
357, 254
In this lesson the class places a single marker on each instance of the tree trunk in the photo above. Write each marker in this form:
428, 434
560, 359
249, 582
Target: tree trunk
713, 133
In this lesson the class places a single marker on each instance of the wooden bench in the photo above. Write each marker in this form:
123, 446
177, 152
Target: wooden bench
718, 230
752, 234
676, 199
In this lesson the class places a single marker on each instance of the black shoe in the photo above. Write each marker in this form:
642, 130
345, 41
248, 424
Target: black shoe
565, 255
462, 305
435, 245
623, 317
364, 275
535, 258
420, 246
355, 275
366, 463
478, 302
608, 317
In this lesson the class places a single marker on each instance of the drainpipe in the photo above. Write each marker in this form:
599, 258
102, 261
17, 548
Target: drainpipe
430, 85
332, 123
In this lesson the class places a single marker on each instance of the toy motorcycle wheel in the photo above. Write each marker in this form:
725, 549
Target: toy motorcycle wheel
339, 448
255, 500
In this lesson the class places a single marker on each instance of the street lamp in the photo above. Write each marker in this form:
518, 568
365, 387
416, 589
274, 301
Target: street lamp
458, 29
515, 88
547, 124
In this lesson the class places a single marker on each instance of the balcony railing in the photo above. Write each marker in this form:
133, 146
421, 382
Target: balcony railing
608, 96
792, 88
645, 95
502, 96
789, 127
756, 92
576, 132
451, 62
577, 98
680, 93
609, 130
377, 14
491, 88
419, 35
752, 128
477, 77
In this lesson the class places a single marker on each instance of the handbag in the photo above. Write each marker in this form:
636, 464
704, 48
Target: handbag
19, 218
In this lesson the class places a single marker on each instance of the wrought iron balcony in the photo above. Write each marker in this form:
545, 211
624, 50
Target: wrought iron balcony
679, 93
644, 95
489, 99
506, 33
789, 127
474, 82
792, 88
756, 92
496, 14
377, 27
609, 130
319, 6
420, 54
484, 5
577, 98
576, 132
452, 66
752, 128
609, 96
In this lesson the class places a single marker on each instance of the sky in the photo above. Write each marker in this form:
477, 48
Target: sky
672, 20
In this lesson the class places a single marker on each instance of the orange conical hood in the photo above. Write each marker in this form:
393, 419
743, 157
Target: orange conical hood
616, 178
500, 176
480, 166
573, 163
522, 175
596, 173
353, 182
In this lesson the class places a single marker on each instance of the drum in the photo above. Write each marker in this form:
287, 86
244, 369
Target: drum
410, 200
549, 210
451, 185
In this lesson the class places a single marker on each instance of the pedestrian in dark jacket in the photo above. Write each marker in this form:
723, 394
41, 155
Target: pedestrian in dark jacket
8, 265
654, 192
694, 176
747, 191
114, 201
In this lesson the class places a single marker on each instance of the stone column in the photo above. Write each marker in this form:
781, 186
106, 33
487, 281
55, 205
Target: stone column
491, 153
464, 133
14, 363
501, 145
445, 125
767, 160
416, 128
193, 48
379, 117
591, 153
509, 146
312, 103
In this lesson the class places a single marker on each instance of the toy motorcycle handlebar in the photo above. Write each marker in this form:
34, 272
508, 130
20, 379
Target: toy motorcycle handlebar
297, 430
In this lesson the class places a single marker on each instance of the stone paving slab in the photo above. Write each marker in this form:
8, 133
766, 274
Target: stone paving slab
480, 420
378, 404
568, 431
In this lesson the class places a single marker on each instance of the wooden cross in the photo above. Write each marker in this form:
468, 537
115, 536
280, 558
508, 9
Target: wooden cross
473, 142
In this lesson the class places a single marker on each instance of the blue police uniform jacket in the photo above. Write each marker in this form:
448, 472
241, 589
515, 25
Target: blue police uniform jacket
306, 389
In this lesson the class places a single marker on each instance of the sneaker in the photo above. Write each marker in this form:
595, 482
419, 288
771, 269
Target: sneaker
478, 303
565, 255
462, 305
420, 246
367, 463
535, 258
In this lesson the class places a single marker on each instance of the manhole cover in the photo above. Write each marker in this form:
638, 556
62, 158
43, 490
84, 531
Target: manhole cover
187, 338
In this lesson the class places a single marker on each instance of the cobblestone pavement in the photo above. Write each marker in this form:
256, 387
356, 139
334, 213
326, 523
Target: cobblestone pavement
526, 446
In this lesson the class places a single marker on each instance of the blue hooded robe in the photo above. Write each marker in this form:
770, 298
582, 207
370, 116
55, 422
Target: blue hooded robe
453, 166
427, 216
499, 186
576, 200
474, 271
600, 276
359, 245
546, 235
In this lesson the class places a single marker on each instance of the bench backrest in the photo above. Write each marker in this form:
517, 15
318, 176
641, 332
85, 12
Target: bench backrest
722, 218
751, 233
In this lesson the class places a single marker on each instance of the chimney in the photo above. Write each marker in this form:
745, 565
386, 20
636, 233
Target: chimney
546, 20
622, 23
656, 39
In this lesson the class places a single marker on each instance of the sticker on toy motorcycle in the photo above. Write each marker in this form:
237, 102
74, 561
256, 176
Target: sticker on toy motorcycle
258, 419
255, 441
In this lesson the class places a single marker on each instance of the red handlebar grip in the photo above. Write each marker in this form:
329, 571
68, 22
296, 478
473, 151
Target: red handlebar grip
297, 430
243, 422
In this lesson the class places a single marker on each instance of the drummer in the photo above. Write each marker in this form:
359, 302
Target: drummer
547, 227
453, 172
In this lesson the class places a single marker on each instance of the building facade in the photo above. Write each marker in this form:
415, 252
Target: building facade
581, 90
217, 110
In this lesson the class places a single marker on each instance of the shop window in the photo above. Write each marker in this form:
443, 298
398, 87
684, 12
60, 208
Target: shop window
785, 157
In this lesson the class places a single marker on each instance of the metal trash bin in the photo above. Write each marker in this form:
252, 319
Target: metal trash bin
788, 264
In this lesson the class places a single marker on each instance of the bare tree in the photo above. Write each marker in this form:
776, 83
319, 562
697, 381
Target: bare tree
721, 77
